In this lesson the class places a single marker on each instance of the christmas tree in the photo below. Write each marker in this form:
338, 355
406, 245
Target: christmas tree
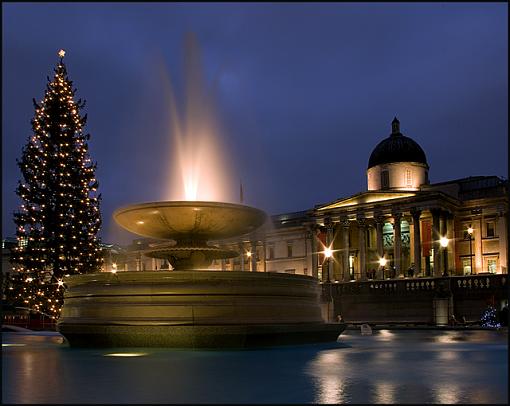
59, 217
489, 318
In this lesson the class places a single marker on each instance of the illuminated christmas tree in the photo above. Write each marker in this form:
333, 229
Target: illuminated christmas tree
489, 318
59, 217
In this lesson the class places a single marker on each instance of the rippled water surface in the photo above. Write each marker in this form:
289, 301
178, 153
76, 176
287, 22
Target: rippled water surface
390, 366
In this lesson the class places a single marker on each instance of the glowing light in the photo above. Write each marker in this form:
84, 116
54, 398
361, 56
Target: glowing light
444, 242
383, 261
470, 230
328, 252
248, 254
126, 354
140, 222
12, 345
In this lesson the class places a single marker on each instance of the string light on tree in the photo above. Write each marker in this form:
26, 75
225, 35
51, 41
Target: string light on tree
59, 217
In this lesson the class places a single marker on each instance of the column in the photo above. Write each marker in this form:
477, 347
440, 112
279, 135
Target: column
223, 264
241, 250
345, 250
444, 250
253, 258
379, 224
329, 244
435, 241
264, 255
397, 243
313, 240
417, 241
502, 233
362, 247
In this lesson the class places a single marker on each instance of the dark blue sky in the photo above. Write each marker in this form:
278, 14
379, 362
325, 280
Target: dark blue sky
305, 91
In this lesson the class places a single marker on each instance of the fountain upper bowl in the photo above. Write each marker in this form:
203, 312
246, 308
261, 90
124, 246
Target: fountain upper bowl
195, 220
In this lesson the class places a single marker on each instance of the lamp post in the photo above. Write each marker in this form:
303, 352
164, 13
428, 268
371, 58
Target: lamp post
328, 252
470, 234
382, 262
444, 243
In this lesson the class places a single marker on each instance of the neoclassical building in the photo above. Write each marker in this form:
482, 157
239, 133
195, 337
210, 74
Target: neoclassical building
401, 226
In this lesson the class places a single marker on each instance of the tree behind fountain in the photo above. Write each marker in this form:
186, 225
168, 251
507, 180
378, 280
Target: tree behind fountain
59, 216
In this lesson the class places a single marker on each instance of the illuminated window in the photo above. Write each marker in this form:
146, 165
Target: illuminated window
23, 242
385, 180
466, 266
351, 266
491, 265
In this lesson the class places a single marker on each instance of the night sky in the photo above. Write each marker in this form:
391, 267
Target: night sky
304, 92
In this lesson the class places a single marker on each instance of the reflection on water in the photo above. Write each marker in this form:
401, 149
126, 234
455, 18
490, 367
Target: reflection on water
387, 367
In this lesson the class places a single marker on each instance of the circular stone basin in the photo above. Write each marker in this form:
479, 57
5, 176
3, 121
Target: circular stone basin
197, 309
193, 220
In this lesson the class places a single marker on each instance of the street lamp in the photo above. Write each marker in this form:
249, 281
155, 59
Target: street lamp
470, 234
328, 253
382, 262
444, 243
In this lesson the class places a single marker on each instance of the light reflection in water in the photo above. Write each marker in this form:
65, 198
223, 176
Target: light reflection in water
448, 355
384, 392
414, 367
447, 393
331, 390
385, 335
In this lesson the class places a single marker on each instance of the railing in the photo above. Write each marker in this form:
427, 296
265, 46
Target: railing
443, 284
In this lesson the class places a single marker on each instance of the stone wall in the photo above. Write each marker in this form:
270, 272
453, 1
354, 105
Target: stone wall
415, 300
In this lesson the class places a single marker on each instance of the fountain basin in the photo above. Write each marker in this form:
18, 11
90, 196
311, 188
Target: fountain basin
189, 221
193, 309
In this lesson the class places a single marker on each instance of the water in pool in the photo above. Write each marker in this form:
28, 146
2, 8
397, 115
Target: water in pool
390, 366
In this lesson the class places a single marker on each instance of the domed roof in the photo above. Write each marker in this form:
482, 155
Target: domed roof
396, 148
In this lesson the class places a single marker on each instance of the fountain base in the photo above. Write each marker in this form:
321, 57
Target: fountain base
193, 309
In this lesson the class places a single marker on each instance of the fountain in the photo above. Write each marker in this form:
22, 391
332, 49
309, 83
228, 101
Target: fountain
191, 306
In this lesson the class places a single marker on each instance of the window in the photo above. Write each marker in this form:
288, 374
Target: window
291, 271
289, 249
409, 177
490, 229
271, 252
385, 180
491, 265
466, 266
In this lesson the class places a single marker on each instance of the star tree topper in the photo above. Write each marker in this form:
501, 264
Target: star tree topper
61, 53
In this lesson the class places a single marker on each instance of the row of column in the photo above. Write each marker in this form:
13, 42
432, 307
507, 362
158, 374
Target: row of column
439, 228
251, 265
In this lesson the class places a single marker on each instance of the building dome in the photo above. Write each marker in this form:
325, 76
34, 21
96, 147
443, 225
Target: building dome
397, 148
